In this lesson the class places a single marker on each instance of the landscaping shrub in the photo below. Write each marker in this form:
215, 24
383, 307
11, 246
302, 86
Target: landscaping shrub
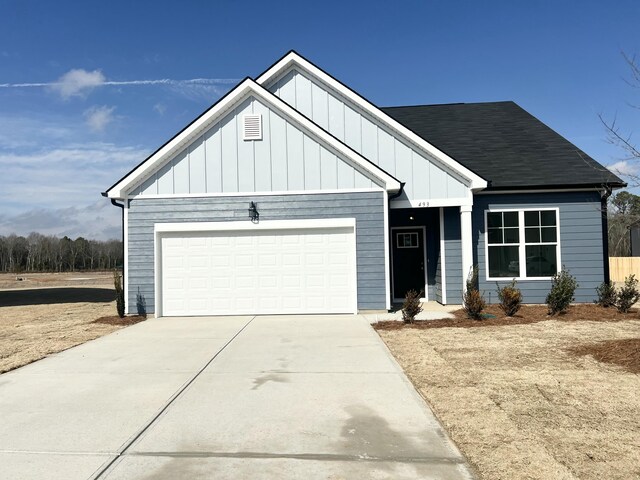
141, 304
117, 283
563, 288
411, 306
510, 299
607, 294
473, 300
628, 294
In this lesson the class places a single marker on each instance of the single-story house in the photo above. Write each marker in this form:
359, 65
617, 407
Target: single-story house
295, 194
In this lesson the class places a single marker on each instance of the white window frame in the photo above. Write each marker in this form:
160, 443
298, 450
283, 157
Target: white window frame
522, 256
412, 236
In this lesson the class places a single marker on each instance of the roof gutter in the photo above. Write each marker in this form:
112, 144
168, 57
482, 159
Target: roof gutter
399, 192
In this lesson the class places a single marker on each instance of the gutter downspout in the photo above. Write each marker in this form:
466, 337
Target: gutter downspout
121, 205
387, 235
605, 231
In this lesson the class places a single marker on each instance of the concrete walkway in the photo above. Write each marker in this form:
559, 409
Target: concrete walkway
224, 398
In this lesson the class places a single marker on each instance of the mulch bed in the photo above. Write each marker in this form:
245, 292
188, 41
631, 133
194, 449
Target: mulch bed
624, 353
116, 320
527, 314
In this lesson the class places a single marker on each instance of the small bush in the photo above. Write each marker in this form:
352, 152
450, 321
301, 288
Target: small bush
510, 299
411, 306
141, 304
563, 288
117, 283
473, 300
628, 294
607, 294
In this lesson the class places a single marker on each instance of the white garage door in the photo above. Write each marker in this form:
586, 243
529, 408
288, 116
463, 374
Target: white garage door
271, 271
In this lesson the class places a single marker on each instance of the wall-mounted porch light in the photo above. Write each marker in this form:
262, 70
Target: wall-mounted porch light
253, 213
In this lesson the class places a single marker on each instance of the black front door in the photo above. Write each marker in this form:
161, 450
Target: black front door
408, 261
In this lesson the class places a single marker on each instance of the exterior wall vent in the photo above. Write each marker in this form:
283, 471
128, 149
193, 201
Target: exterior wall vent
252, 127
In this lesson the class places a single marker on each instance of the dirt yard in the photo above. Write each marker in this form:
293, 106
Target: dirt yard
36, 322
68, 279
527, 400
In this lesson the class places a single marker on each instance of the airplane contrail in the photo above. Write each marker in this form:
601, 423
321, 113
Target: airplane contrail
161, 81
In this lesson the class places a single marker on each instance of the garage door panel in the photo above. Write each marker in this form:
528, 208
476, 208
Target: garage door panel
267, 260
284, 271
268, 282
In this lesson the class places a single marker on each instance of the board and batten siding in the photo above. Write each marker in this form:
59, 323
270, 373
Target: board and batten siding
580, 236
366, 207
221, 161
340, 117
453, 255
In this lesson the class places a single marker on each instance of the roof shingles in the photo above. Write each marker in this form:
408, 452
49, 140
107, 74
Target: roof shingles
504, 144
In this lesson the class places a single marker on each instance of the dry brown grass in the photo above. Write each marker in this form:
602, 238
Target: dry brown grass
29, 333
521, 405
42, 321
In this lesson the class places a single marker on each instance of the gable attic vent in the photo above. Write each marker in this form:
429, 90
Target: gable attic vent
252, 127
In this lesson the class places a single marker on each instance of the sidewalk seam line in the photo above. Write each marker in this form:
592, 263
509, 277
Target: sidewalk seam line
103, 469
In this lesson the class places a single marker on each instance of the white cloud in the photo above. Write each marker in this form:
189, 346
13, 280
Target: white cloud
99, 117
624, 167
20, 132
78, 83
72, 174
98, 221
160, 108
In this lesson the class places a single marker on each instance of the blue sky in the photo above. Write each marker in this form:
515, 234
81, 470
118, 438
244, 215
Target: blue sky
88, 88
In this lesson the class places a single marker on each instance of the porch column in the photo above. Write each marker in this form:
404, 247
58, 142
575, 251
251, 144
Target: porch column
466, 242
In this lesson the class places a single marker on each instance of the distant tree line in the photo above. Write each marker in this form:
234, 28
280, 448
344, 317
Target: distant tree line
624, 213
47, 253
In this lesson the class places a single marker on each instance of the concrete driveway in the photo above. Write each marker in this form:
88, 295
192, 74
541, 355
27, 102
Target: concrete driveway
224, 398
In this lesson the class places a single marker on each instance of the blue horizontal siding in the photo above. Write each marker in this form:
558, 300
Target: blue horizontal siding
366, 207
580, 240
453, 255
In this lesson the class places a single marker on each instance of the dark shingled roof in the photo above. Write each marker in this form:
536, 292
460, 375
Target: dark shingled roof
505, 145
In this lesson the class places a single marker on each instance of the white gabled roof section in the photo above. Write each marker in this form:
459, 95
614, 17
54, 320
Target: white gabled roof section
198, 127
293, 59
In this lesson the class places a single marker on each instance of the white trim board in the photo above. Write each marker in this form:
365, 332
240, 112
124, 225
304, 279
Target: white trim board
125, 248
387, 256
292, 59
260, 194
243, 225
243, 90
443, 267
432, 202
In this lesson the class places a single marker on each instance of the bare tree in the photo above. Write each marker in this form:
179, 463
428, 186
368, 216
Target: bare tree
624, 208
40, 253
618, 137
